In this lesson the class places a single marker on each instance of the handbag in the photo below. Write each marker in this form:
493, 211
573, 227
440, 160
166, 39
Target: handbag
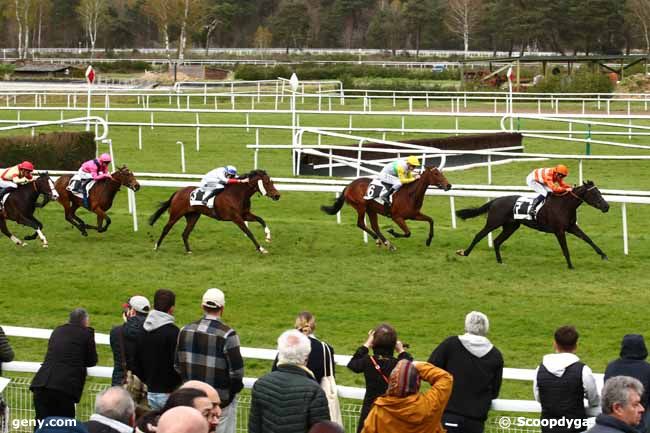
132, 383
328, 384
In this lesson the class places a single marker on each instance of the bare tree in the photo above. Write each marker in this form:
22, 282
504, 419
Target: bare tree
92, 14
23, 11
641, 11
162, 12
461, 18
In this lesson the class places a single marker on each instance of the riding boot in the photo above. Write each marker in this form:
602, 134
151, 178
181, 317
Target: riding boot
386, 199
533, 206
84, 193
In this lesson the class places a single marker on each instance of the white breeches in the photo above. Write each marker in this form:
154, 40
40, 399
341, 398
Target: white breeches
7, 184
391, 180
539, 188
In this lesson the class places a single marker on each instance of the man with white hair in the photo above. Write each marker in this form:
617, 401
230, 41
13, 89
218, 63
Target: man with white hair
477, 367
114, 412
621, 405
288, 400
182, 419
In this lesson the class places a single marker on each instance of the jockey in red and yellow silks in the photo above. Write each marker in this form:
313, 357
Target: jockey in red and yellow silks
11, 177
545, 180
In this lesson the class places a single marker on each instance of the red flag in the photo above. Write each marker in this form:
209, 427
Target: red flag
510, 74
90, 74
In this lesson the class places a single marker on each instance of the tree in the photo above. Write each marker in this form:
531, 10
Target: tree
263, 37
418, 14
291, 23
92, 14
461, 18
640, 10
162, 12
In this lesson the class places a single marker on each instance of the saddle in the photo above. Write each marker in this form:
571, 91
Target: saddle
74, 186
374, 191
197, 198
521, 208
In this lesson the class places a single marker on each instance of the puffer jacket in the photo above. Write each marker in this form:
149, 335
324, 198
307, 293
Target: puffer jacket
287, 400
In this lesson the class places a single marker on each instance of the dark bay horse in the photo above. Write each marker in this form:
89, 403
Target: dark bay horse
100, 199
557, 216
20, 206
232, 204
407, 202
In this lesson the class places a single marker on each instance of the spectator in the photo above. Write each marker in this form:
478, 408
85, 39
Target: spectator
124, 337
376, 368
114, 412
403, 409
213, 396
182, 420
621, 405
306, 323
6, 352
58, 384
190, 397
632, 363
154, 357
208, 351
477, 368
562, 382
288, 399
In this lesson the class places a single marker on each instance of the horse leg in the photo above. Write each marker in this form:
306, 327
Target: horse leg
374, 223
5, 230
480, 235
561, 238
508, 230
267, 231
361, 223
39, 233
427, 218
191, 219
101, 216
402, 224
577, 232
173, 219
242, 226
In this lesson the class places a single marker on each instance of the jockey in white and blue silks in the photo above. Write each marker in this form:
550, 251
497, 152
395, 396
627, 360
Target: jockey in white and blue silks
214, 181
396, 174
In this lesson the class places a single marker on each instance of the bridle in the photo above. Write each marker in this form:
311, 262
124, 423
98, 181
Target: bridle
578, 197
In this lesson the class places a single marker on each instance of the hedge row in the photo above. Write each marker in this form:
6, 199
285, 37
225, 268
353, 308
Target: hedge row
53, 151
580, 82
310, 71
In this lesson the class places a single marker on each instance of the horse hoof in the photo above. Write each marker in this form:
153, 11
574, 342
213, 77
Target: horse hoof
24, 244
45, 245
189, 252
391, 247
85, 234
379, 243
262, 250
460, 253
428, 242
268, 240
605, 257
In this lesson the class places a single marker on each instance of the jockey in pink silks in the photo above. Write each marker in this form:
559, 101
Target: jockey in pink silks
93, 169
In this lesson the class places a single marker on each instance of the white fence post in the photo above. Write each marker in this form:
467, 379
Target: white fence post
182, 155
625, 240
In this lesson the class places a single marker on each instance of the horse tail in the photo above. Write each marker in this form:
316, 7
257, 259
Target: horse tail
161, 210
338, 204
474, 211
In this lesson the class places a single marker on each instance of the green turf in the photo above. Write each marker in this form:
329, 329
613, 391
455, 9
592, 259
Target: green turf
315, 264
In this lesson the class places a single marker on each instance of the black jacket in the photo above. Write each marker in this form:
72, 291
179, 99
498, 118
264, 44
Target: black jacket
375, 383
98, 427
130, 332
609, 424
315, 362
154, 357
477, 380
6, 352
70, 350
632, 363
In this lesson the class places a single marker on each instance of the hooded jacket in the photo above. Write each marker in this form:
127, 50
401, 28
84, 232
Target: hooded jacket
154, 356
125, 335
477, 367
557, 363
415, 413
632, 363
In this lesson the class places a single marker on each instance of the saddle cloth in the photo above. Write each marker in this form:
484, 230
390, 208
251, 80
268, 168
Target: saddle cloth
196, 199
522, 207
374, 191
72, 186
5, 197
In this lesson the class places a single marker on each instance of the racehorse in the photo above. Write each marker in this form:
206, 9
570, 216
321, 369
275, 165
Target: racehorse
557, 216
407, 202
232, 204
20, 206
100, 198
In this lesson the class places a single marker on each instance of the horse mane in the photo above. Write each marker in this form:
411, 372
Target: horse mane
256, 173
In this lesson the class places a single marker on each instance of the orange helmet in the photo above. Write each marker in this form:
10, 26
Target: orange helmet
562, 169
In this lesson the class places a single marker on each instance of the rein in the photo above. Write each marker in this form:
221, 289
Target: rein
577, 196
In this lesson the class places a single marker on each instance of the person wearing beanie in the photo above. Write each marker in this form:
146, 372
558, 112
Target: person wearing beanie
477, 367
403, 409
632, 363
208, 351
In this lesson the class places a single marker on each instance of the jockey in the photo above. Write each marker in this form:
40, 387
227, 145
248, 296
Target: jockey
93, 169
215, 181
11, 177
545, 180
396, 174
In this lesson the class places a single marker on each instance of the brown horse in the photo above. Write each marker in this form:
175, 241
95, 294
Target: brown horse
20, 206
407, 202
232, 204
100, 198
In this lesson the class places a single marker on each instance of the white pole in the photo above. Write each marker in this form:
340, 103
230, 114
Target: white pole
133, 209
182, 155
625, 242
452, 207
88, 109
294, 143
580, 177
139, 137
338, 214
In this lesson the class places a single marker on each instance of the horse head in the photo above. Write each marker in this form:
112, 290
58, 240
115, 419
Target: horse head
261, 181
591, 195
126, 177
433, 176
43, 184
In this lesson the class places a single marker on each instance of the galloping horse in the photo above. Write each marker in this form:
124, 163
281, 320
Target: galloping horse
406, 205
20, 206
100, 198
557, 216
232, 204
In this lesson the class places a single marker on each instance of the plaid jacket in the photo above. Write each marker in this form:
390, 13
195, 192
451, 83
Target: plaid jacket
208, 350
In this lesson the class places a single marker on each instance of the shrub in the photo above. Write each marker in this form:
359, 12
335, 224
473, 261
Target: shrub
54, 151
580, 82
123, 66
